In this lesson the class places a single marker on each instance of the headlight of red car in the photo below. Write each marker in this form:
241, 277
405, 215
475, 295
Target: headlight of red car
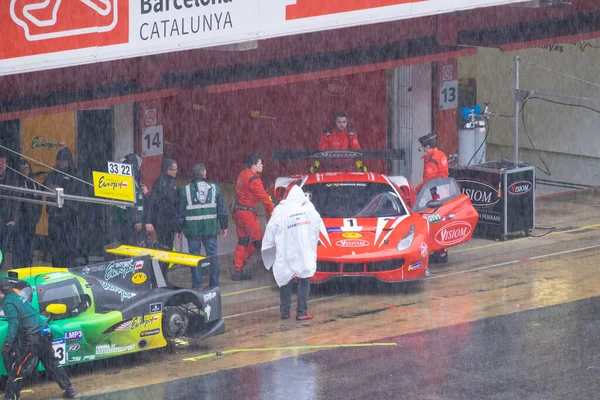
406, 240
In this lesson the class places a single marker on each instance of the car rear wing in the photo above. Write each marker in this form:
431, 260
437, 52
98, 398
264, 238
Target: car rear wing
157, 255
287, 155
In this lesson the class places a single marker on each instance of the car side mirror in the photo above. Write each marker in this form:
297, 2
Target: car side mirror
434, 204
56, 309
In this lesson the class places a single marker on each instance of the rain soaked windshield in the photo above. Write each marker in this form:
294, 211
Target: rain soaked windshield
354, 200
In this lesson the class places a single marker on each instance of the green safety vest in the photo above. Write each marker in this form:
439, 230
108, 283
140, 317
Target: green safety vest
200, 219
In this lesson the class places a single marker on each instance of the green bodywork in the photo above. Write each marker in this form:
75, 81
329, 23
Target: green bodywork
83, 334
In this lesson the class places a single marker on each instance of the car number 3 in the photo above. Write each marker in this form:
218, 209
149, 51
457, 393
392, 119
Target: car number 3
59, 352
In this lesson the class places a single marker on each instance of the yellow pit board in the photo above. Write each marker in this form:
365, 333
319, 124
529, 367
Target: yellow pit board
113, 186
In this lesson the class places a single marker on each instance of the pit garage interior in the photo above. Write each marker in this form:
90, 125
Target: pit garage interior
502, 320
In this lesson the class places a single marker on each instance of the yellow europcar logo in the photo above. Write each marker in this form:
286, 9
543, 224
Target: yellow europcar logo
351, 235
112, 186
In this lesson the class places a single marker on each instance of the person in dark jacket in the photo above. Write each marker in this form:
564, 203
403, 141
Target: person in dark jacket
129, 222
27, 216
63, 222
162, 211
203, 214
28, 340
7, 221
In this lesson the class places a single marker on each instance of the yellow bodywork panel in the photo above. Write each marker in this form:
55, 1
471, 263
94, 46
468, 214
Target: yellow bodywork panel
26, 272
172, 257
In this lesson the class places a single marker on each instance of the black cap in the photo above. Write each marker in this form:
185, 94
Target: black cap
428, 140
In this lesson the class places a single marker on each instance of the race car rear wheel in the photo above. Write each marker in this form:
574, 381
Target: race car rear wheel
175, 322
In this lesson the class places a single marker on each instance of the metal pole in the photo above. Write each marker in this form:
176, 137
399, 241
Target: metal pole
517, 110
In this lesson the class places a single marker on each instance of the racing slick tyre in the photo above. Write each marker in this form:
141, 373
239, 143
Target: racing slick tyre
437, 258
174, 322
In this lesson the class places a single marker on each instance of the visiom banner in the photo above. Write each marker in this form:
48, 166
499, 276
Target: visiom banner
57, 33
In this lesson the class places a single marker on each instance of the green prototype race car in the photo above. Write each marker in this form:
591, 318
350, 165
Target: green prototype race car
117, 307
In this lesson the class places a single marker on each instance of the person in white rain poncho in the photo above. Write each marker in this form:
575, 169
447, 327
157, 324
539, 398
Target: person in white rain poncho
290, 247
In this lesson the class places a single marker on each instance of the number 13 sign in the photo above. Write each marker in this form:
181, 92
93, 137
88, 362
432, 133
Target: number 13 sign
152, 141
449, 95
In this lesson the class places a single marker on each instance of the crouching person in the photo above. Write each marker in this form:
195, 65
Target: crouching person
28, 340
290, 247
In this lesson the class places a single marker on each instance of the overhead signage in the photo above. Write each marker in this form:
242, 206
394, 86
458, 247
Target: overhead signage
113, 186
53, 34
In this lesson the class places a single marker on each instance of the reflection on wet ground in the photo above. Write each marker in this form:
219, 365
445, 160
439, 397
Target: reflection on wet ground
547, 353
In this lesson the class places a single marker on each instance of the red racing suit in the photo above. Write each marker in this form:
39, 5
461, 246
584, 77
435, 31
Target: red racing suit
436, 166
337, 140
249, 191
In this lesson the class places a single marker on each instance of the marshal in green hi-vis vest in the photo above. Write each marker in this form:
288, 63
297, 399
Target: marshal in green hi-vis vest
200, 212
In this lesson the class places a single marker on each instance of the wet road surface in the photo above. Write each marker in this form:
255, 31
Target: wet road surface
547, 353
485, 325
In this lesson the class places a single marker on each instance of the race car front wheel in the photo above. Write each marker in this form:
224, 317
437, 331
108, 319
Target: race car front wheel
175, 322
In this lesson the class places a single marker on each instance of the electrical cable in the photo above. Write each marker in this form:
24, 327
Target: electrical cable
547, 172
487, 133
550, 230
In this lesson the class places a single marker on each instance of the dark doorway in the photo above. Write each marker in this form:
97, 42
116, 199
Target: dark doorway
10, 137
95, 132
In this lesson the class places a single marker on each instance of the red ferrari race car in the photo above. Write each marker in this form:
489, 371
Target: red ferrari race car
375, 226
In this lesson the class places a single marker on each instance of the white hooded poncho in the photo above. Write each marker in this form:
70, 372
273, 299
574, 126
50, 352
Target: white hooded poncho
290, 241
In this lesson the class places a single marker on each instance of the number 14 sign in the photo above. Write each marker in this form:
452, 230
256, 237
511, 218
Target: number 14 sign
152, 141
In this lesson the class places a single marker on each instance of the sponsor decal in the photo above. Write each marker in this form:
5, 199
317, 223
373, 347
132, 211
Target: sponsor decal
480, 193
334, 87
139, 264
415, 266
448, 217
351, 235
85, 270
59, 347
453, 233
204, 264
155, 308
138, 278
89, 357
73, 347
43, 143
338, 154
434, 218
143, 321
112, 288
520, 188
352, 243
74, 359
150, 332
207, 311
74, 335
112, 348
124, 326
122, 268
424, 250
490, 217
113, 186
210, 296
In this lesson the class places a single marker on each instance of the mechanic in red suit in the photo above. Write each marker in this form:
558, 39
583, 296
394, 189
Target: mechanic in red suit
436, 166
436, 162
249, 191
339, 138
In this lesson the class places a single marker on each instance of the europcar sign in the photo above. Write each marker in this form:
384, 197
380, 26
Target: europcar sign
57, 33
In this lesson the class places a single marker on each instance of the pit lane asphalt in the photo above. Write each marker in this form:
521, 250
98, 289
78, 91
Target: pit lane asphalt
545, 354
483, 279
